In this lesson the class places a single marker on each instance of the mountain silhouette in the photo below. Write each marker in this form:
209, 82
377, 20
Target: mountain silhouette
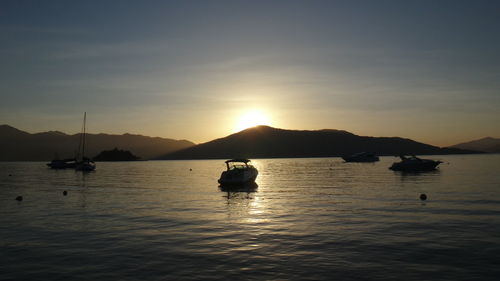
487, 144
268, 142
17, 145
8, 131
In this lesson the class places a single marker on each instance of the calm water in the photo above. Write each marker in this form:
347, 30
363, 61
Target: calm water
309, 219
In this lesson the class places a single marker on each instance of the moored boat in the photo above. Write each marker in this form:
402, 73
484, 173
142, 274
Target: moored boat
361, 157
414, 164
86, 165
62, 164
83, 164
238, 172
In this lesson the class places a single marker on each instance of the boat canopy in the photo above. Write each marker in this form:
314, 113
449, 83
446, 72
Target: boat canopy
238, 160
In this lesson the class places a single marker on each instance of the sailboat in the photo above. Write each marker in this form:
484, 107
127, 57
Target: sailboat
83, 163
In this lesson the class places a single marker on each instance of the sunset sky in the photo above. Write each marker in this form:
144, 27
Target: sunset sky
426, 70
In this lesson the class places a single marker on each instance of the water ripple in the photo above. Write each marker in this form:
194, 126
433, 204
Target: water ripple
308, 219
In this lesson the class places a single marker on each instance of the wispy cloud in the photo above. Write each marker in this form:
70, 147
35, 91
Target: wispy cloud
76, 51
31, 29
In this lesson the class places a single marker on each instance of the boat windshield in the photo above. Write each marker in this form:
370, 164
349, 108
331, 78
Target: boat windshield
410, 158
233, 166
238, 164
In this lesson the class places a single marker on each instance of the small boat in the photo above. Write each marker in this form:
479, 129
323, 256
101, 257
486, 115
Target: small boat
361, 157
62, 164
238, 172
414, 164
83, 163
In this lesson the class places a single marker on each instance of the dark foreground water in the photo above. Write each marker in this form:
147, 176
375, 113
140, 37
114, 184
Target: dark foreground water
309, 219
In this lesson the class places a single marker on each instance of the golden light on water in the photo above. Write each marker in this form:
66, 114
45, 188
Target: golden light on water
252, 118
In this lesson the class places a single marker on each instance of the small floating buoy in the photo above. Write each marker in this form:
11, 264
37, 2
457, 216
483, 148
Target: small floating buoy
190, 169
65, 193
10, 175
423, 197
19, 198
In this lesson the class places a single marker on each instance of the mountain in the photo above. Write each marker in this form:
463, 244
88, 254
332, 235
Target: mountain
487, 144
8, 131
268, 142
16, 145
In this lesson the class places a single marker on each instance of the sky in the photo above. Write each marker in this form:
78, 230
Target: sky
425, 70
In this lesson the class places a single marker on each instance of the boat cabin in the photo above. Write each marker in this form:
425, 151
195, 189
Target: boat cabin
238, 164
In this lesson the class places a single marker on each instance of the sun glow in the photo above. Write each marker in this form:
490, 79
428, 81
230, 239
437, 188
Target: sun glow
251, 119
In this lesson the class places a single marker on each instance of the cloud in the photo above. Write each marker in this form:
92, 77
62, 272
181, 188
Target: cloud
79, 51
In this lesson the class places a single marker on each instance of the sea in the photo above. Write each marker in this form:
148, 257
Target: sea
306, 219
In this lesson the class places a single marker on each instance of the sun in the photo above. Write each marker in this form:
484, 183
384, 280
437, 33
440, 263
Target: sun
251, 119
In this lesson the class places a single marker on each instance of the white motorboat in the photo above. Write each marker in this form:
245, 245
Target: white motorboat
238, 172
361, 157
414, 164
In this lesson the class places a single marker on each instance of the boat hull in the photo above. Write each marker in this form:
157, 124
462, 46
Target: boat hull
362, 157
361, 160
238, 176
428, 165
62, 164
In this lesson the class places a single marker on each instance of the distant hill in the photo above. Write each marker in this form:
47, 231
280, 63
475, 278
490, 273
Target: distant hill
116, 155
487, 144
268, 142
16, 145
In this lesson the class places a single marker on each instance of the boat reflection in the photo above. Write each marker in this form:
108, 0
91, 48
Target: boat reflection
234, 191
248, 187
422, 176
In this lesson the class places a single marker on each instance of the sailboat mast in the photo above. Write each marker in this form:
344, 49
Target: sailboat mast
83, 146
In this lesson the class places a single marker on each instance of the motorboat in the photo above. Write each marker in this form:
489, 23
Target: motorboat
62, 164
414, 164
239, 171
361, 157
86, 165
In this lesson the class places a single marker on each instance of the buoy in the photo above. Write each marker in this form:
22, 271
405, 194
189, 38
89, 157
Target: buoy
19, 198
65, 193
423, 197
190, 169
10, 175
